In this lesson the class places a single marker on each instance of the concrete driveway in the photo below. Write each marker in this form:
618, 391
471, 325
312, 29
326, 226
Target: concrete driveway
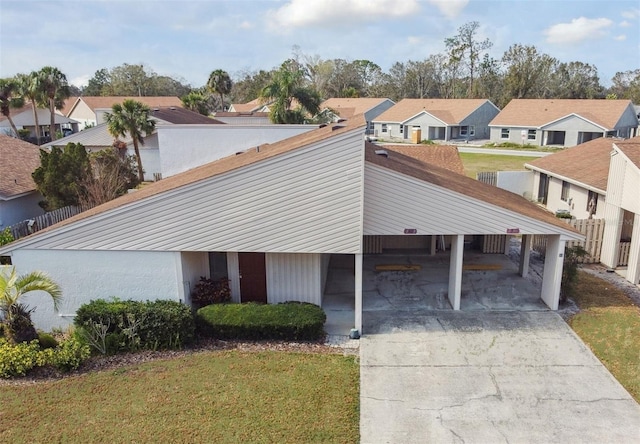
486, 377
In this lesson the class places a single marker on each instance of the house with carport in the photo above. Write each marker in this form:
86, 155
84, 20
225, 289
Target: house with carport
563, 122
435, 119
272, 218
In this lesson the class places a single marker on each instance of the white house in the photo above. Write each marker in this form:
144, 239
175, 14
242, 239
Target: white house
563, 122
622, 212
346, 108
18, 196
24, 119
270, 219
436, 119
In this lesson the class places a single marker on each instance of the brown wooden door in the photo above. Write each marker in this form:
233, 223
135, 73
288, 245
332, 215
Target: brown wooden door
253, 277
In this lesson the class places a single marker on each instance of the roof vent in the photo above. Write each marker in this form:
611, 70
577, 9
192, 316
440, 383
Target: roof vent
172, 108
382, 153
336, 127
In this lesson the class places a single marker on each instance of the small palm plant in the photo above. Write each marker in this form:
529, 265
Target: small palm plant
18, 326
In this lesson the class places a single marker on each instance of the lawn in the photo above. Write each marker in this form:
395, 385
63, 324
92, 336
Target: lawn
609, 324
221, 396
474, 163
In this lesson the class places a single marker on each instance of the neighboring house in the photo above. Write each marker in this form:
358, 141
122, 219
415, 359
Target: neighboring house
622, 212
563, 122
574, 180
254, 106
436, 119
18, 196
243, 118
23, 119
270, 219
98, 137
90, 110
346, 108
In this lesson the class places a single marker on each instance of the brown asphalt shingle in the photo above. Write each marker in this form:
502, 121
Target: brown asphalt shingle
349, 107
539, 112
179, 116
18, 159
450, 111
94, 102
587, 163
631, 149
445, 156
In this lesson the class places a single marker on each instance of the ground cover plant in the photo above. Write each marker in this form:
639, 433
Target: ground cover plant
609, 323
475, 163
221, 396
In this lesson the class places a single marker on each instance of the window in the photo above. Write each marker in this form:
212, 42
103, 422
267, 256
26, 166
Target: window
565, 191
401, 129
531, 135
504, 133
467, 130
384, 127
592, 203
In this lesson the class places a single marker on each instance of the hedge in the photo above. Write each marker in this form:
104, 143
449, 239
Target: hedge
288, 320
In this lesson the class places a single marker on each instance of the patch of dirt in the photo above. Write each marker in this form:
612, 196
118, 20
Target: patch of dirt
100, 363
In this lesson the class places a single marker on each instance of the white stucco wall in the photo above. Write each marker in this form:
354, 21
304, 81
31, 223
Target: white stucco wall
21, 208
518, 182
183, 147
195, 264
149, 154
579, 198
87, 275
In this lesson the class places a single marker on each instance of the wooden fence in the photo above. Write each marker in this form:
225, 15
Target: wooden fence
593, 229
623, 254
494, 243
30, 226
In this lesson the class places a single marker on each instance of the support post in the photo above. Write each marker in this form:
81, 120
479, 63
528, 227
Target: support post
552, 275
433, 241
525, 253
455, 270
633, 266
613, 219
358, 292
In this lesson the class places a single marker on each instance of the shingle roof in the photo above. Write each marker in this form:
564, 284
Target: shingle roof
349, 107
95, 102
18, 159
445, 156
450, 111
462, 184
182, 116
68, 105
16, 111
239, 114
631, 149
539, 112
248, 107
97, 136
587, 163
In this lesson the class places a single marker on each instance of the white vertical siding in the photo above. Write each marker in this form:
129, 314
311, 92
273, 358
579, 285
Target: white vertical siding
294, 277
325, 259
194, 266
233, 270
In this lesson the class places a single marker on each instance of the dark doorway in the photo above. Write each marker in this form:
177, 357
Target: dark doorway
543, 189
253, 277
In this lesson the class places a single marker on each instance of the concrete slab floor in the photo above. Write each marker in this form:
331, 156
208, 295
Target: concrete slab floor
486, 376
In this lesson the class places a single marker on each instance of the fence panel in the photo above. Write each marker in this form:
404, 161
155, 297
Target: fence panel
593, 229
494, 243
30, 226
623, 254
488, 177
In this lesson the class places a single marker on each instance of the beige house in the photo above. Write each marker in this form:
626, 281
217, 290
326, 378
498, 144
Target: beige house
563, 122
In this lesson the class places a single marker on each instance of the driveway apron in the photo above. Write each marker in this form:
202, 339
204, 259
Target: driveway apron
486, 377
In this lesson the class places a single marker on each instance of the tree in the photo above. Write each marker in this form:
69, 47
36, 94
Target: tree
219, 82
97, 83
9, 99
466, 49
198, 102
17, 316
29, 89
111, 175
129, 80
576, 80
528, 72
131, 118
626, 85
55, 89
248, 85
286, 86
60, 174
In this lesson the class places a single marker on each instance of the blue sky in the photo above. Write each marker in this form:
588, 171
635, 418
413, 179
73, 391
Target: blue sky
188, 39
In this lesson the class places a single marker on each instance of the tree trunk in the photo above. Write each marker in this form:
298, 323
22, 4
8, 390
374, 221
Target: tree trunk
52, 123
13, 126
138, 160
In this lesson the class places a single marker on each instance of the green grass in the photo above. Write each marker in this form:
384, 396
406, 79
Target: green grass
474, 163
222, 397
521, 147
609, 324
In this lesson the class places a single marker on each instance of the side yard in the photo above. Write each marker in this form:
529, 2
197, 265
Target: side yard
474, 163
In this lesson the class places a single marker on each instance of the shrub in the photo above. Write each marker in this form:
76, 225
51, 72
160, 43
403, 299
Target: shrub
47, 341
18, 359
113, 326
207, 292
69, 355
289, 320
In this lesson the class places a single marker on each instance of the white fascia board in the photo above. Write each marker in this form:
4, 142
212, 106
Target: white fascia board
424, 111
579, 117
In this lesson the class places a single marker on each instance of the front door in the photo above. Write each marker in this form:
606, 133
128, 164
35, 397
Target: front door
253, 277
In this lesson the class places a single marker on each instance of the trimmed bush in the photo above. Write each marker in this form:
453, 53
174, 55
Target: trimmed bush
289, 321
208, 292
114, 326
18, 359
46, 341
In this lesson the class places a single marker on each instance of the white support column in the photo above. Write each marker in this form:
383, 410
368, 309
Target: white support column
552, 275
633, 266
525, 253
507, 244
358, 292
433, 241
455, 270
613, 216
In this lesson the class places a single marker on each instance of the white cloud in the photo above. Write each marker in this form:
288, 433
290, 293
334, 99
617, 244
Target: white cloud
631, 13
245, 25
82, 80
620, 37
450, 8
300, 13
578, 30
413, 40
624, 24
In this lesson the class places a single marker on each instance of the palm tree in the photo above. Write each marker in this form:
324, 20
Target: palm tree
220, 82
17, 316
9, 99
131, 117
29, 89
287, 85
55, 89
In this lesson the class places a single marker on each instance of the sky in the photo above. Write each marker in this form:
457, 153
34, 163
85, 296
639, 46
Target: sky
189, 39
